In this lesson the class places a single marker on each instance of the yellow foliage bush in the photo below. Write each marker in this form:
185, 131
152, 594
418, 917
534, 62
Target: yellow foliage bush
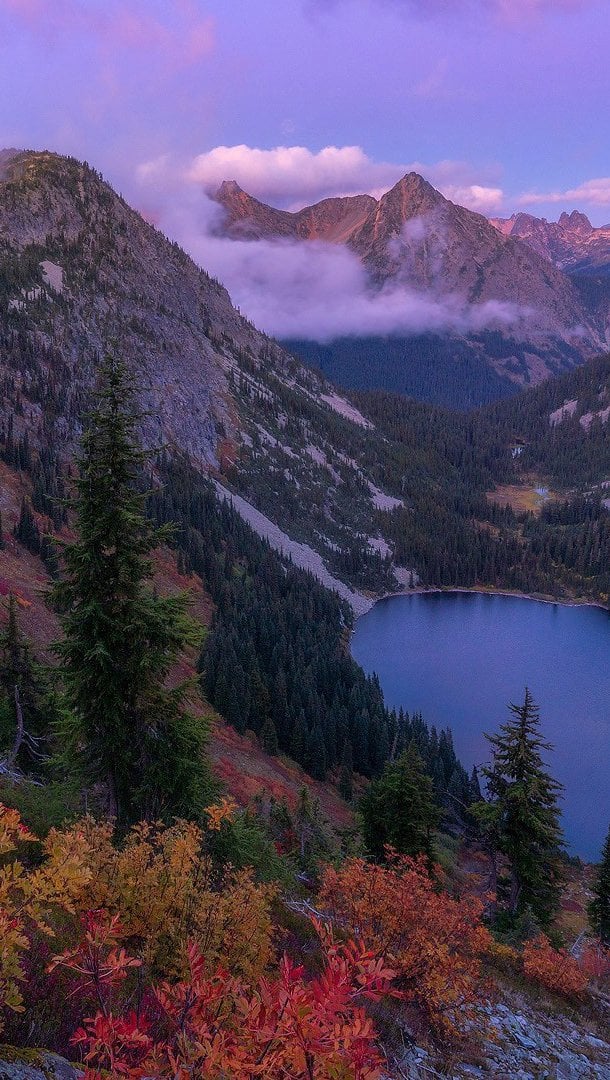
31, 897
164, 887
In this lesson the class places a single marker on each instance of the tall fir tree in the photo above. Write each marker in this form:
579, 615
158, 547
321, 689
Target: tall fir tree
398, 808
27, 710
522, 813
123, 727
599, 908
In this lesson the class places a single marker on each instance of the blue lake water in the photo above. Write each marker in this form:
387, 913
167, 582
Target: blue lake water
460, 658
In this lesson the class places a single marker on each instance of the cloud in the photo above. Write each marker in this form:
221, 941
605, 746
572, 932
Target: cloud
593, 192
293, 176
511, 11
483, 200
293, 173
312, 290
176, 32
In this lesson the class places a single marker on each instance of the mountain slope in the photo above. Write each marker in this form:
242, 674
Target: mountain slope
502, 301
365, 507
571, 243
82, 272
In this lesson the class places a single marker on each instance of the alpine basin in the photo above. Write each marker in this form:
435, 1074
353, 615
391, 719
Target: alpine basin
460, 658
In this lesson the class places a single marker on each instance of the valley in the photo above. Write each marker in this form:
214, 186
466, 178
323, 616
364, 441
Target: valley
304, 540
486, 308
293, 506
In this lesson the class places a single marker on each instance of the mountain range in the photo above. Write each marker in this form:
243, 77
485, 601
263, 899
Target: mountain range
511, 307
368, 495
571, 243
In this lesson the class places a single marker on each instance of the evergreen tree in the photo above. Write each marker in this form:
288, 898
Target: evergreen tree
346, 776
26, 530
399, 809
268, 738
522, 813
27, 710
122, 726
599, 908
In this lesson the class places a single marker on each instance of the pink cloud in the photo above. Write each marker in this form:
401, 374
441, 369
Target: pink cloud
593, 192
180, 35
293, 176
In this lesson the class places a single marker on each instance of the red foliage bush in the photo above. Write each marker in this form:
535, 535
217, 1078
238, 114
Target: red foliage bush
554, 969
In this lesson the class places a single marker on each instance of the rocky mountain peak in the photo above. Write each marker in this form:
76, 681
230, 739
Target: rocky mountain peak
575, 220
572, 243
229, 188
413, 195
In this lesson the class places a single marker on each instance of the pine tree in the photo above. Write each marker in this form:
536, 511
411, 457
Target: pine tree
27, 710
26, 530
522, 813
268, 738
599, 908
122, 726
399, 809
346, 775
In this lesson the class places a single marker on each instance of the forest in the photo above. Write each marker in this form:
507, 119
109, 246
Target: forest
167, 931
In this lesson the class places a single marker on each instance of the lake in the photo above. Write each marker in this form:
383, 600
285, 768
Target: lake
460, 658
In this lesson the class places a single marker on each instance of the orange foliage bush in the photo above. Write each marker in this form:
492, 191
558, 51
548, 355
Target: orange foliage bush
30, 899
434, 943
594, 962
554, 969
155, 905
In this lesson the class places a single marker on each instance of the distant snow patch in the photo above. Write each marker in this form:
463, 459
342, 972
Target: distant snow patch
301, 554
53, 275
408, 578
377, 543
381, 501
587, 418
346, 409
567, 409
316, 454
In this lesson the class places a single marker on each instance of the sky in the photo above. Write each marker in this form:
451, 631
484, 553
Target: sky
502, 104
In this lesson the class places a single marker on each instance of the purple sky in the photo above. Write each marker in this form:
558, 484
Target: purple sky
502, 103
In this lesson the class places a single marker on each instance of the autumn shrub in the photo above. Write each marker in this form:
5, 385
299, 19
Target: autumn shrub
166, 889
162, 885
434, 942
554, 969
32, 900
214, 1024
594, 962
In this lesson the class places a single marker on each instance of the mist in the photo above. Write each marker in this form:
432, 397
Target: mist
314, 290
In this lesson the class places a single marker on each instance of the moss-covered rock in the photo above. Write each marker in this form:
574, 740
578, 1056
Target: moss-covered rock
33, 1064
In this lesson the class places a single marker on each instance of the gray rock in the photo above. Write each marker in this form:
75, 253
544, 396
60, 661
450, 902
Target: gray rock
35, 1065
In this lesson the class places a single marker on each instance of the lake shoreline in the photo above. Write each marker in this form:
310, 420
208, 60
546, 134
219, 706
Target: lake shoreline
422, 590
458, 662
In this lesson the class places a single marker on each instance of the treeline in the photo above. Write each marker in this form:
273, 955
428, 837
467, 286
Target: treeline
453, 534
277, 660
429, 367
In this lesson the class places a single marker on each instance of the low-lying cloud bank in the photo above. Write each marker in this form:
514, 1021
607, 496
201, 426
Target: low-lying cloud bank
312, 290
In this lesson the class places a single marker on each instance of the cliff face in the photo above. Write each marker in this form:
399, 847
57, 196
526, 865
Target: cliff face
415, 238
81, 272
571, 243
